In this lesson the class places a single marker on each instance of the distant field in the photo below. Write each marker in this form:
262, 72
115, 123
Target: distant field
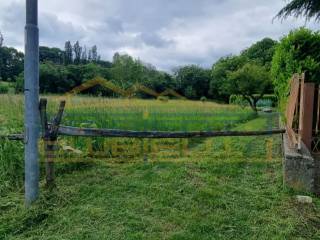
222, 188
131, 114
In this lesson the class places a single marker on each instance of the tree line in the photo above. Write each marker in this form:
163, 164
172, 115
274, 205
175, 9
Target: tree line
262, 68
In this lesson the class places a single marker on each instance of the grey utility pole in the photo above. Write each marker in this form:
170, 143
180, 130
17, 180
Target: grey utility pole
31, 91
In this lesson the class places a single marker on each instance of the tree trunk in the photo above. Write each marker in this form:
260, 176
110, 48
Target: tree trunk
252, 102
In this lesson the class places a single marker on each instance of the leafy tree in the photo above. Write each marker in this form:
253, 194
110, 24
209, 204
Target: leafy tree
94, 54
11, 63
54, 55
84, 56
104, 63
126, 71
77, 53
193, 81
261, 52
297, 53
161, 81
68, 56
250, 81
90, 55
54, 78
1, 39
305, 8
219, 75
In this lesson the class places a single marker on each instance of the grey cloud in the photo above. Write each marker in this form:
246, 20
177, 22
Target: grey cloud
12, 15
53, 30
166, 33
153, 39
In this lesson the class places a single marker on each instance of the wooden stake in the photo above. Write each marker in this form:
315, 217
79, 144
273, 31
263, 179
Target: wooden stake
50, 136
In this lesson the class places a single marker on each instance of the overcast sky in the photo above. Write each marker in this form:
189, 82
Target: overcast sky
165, 33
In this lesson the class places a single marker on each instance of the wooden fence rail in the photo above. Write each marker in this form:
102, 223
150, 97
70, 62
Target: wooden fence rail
12, 137
92, 132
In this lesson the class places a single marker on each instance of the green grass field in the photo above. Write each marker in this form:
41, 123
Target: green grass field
222, 188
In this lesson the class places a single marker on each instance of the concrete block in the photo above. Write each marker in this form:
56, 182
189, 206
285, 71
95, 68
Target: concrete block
299, 168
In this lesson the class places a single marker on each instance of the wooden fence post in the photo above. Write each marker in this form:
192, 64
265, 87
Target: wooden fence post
306, 113
50, 136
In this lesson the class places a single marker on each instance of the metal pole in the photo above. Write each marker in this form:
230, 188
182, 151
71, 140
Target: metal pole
31, 91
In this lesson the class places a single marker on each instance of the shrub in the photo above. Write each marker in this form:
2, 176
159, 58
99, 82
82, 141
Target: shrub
267, 100
297, 53
203, 99
163, 98
4, 89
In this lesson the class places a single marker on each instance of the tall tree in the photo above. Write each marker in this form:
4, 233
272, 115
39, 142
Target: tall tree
68, 56
193, 81
219, 74
77, 52
94, 53
306, 8
251, 82
84, 57
90, 55
1, 39
11, 63
261, 52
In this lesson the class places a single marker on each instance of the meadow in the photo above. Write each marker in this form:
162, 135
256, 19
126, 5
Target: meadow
221, 188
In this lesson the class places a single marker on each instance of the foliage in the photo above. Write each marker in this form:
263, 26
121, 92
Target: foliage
219, 74
193, 81
203, 99
61, 70
261, 52
163, 98
268, 100
56, 78
251, 81
238, 100
297, 53
77, 53
306, 8
11, 63
68, 56
54, 55
4, 88
1, 40
126, 72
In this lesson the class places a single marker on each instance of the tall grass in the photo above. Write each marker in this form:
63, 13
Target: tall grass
130, 114
137, 114
11, 153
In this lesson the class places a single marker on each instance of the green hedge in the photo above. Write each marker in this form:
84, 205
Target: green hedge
298, 52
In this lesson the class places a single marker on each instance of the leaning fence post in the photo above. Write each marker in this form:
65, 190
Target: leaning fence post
50, 136
46, 141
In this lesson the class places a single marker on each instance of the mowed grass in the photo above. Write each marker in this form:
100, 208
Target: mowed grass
223, 188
